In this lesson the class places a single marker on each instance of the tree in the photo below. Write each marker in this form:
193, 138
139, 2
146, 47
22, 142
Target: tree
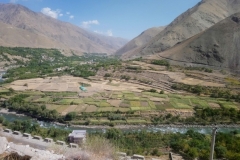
70, 116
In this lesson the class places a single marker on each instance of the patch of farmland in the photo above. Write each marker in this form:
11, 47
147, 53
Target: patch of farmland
78, 101
43, 100
66, 101
183, 101
35, 93
81, 108
104, 104
121, 109
175, 96
91, 108
228, 104
214, 105
32, 98
200, 103
104, 109
152, 104
104, 120
115, 103
135, 104
132, 98
167, 105
61, 108
125, 104
157, 99
52, 106
141, 108
70, 108
88, 99
120, 121
144, 104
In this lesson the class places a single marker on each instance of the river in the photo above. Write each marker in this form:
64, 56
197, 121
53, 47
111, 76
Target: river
162, 128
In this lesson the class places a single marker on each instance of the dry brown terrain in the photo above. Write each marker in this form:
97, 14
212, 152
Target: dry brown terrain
195, 20
217, 47
140, 40
40, 31
69, 83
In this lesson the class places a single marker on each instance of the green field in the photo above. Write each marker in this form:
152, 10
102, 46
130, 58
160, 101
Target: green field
129, 101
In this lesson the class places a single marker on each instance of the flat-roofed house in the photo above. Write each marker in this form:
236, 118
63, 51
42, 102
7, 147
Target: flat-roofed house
77, 136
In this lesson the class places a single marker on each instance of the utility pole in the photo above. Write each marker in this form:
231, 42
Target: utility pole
214, 132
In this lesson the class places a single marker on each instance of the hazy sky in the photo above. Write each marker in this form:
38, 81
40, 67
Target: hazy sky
119, 18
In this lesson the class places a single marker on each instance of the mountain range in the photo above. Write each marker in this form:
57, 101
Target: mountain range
195, 20
218, 46
25, 28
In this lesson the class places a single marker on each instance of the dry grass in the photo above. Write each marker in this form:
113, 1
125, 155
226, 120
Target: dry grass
100, 148
95, 148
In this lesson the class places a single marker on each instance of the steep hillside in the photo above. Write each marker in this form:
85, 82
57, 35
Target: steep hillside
140, 40
218, 46
60, 34
195, 20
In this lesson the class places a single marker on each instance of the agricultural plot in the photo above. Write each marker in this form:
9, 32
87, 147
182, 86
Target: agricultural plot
104, 109
52, 106
77, 101
104, 104
123, 101
91, 108
200, 103
70, 108
66, 101
62, 108
43, 100
32, 98
80, 108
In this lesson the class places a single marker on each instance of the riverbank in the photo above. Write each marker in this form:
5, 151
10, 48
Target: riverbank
10, 115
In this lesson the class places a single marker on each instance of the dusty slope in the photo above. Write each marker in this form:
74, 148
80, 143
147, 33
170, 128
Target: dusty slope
140, 40
218, 46
65, 34
12, 36
195, 20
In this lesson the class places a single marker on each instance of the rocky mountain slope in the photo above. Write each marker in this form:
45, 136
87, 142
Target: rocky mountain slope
25, 28
195, 20
139, 41
218, 46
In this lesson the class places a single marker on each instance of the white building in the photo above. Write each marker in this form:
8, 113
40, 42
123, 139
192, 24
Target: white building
77, 136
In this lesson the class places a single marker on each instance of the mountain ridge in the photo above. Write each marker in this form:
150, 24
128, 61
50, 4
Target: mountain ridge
217, 46
67, 36
193, 21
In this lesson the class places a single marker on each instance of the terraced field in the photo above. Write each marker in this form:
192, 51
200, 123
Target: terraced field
124, 101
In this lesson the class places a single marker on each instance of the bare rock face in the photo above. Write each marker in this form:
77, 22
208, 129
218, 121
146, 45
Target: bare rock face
194, 21
3, 144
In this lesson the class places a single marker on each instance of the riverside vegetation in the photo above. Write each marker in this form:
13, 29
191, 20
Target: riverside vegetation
190, 144
153, 106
